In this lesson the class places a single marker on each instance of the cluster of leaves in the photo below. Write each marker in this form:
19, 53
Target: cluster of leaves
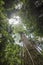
9, 52
10, 6
32, 13
12, 55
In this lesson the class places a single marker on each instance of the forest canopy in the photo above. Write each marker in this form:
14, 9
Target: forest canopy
29, 13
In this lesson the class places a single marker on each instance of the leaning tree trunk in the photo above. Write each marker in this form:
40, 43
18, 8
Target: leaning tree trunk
31, 54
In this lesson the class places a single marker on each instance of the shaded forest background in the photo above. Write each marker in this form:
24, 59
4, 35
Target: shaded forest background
10, 52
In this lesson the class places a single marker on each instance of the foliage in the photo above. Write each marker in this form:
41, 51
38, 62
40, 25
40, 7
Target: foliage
18, 28
31, 19
9, 51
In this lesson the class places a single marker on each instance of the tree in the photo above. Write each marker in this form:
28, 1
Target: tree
9, 52
33, 10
